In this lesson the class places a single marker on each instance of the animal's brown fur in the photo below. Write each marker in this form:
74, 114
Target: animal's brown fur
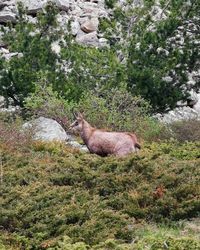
105, 143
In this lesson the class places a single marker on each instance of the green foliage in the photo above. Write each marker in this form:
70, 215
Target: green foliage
91, 68
78, 69
74, 70
115, 109
153, 56
46, 102
149, 237
118, 110
33, 41
110, 3
156, 49
50, 191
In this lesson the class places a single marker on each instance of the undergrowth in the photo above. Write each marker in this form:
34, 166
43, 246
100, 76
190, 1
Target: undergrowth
50, 191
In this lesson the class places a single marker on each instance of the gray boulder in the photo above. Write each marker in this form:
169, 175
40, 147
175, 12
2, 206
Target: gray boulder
90, 25
62, 4
46, 129
33, 6
7, 16
87, 39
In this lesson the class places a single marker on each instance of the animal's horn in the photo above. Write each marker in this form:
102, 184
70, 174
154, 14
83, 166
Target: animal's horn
74, 115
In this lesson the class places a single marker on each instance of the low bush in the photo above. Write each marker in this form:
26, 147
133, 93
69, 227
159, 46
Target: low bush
115, 109
13, 137
51, 191
188, 130
46, 102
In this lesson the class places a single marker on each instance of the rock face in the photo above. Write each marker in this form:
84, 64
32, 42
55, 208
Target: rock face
180, 114
7, 16
63, 4
33, 6
87, 39
46, 129
83, 15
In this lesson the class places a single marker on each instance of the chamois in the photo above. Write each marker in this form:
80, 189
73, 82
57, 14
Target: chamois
105, 143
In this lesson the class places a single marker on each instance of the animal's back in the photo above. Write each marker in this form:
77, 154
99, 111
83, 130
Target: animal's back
118, 143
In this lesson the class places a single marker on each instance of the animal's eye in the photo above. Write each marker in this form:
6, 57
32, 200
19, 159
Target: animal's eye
76, 123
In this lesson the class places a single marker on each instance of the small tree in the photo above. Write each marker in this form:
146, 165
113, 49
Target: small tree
159, 61
33, 41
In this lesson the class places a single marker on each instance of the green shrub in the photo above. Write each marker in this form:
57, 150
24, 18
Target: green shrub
115, 109
33, 41
50, 191
46, 102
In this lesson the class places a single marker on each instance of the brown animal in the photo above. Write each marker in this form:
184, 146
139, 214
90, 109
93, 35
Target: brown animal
105, 143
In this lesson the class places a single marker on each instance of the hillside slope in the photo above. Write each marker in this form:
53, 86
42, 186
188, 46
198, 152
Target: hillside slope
50, 191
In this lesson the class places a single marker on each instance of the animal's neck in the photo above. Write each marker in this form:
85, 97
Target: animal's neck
86, 132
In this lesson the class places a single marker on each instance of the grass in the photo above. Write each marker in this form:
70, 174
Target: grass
54, 197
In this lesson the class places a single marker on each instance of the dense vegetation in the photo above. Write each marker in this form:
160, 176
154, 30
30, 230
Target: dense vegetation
151, 58
57, 198
50, 191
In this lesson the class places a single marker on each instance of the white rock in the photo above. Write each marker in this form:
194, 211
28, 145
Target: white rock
2, 101
76, 11
103, 42
88, 39
7, 16
46, 129
75, 27
180, 114
55, 47
90, 9
77, 145
90, 25
197, 104
63, 20
33, 5
167, 79
62, 4
32, 19
7, 54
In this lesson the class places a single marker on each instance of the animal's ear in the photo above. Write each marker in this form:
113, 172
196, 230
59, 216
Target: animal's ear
80, 116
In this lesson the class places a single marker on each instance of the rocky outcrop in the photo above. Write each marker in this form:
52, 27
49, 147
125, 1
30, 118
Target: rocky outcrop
7, 55
87, 39
83, 16
180, 114
7, 16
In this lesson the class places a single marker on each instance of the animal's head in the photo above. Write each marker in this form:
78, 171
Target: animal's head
77, 125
